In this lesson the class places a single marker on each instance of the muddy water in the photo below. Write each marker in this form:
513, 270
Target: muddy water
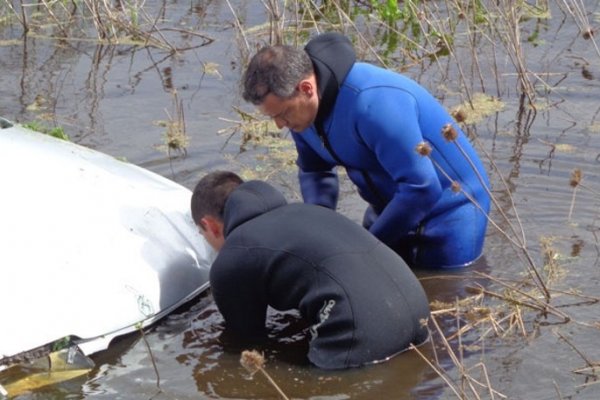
113, 98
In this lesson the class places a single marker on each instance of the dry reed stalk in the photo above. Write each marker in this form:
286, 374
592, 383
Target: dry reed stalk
306, 10
94, 8
57, 21
141, 330
435, 366
440, 27
238, 24
148, 38
586, 299
534, 302
576, 8
520, 240
470, 386
509, 31
588, 384
21, 17
479, 316
450, 134
590, 364
109, 21
276, 21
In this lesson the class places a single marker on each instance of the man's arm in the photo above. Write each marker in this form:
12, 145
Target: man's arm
389, 125
240, 295
318, 178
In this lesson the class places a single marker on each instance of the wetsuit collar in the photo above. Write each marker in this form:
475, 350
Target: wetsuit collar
333, 56
248, 201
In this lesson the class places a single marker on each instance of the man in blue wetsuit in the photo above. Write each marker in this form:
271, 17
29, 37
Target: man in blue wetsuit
362, 302
426, 187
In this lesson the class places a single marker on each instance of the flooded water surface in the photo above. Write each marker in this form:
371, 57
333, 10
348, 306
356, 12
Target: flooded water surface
501, 337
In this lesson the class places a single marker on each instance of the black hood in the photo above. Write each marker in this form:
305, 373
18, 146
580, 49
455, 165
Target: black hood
333, 56
248, 201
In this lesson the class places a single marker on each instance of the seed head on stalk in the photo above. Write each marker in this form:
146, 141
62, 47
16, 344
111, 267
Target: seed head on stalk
455, 187
423, 149
449, 132
254, 361
576, 176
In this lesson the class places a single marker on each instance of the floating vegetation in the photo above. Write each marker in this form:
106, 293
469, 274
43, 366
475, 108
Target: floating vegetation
57, 131
211, 69
254, 130
480, 107
175, 137
594, 128
276, 155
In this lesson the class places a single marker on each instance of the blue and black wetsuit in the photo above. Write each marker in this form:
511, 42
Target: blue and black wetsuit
361, 300
371, 120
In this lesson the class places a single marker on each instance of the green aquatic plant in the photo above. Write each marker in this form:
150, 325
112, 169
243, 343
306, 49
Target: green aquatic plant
61, 343
57, 131
388, 10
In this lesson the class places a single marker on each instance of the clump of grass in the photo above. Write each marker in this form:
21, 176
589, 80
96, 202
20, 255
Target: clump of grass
277, 155
56, 131
254, 130
176, 139
553, 269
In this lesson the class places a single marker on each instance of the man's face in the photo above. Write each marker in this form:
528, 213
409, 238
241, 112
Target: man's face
296, 113
212, 230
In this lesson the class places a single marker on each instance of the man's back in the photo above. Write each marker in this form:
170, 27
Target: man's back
363, 303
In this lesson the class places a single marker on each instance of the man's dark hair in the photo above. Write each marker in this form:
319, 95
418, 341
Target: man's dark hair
277, 70
211, 193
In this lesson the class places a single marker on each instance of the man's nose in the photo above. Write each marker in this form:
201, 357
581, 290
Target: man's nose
280, 122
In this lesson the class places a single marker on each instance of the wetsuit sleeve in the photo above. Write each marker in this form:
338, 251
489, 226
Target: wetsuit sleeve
390, 125
318, 178
239, 294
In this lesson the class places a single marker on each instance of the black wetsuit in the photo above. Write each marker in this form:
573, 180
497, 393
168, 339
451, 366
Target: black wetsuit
362, 301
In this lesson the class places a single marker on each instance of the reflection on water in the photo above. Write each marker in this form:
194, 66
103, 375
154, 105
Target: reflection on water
189, 348
193, 338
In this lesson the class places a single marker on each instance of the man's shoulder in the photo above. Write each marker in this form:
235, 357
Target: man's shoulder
365, 76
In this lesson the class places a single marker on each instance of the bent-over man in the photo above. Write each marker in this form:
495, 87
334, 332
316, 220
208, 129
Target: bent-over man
425, 185
362, 302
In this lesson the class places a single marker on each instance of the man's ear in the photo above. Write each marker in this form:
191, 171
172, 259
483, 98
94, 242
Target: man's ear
306, 86
213, 226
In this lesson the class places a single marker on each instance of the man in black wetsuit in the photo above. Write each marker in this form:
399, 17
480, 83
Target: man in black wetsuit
361, 300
